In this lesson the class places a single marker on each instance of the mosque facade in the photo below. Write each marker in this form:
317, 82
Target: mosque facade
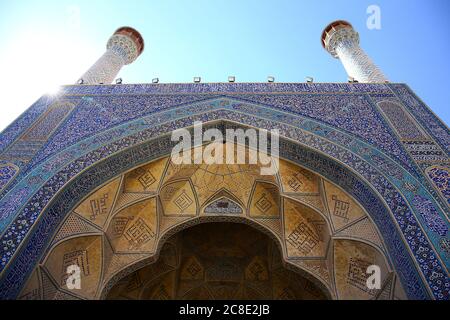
363, 180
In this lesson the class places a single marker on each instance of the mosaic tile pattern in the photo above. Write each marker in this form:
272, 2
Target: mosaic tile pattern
404, 125
423, 115
221, 88
7, 172
223, 206
351, 113
373, 160
94, 115
430, 214
104, 69
42, 129
66, 200
23, 149
23, 122
358, 64
441, 179
427, 152
419, 145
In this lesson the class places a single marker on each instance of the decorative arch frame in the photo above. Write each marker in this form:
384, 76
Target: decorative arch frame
77, 170
329, 289
407, 129
103, 287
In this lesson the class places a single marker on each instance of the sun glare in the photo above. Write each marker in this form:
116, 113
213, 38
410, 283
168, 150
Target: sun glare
36, 64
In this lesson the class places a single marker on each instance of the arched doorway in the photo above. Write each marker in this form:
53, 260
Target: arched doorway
325, 235
39, 206
217, 261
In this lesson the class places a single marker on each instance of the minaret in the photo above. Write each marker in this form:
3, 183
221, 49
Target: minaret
124, 46
342, 42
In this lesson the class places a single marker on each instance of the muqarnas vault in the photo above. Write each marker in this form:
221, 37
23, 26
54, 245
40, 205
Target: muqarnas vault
86, 179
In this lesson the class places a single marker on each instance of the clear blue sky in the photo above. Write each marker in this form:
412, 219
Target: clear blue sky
48, 41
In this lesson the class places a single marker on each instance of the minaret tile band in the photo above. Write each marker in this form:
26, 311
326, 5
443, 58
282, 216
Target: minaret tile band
124, 47
342, 42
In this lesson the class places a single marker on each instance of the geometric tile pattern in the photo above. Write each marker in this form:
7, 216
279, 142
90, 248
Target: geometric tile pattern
405, 126
34, 138
367, 147
351, 260
354, 114
74, 225
436, 128
24, 121
441, 179
8, 171
342, 208
97, 208
430, 215
363, 229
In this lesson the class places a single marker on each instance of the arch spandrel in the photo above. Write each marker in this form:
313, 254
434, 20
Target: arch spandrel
298, 180
306, 232
84, 252
265, 201
302, 159
99, 206
351, 261
342, 209
179, 199
145, 179
134, 229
